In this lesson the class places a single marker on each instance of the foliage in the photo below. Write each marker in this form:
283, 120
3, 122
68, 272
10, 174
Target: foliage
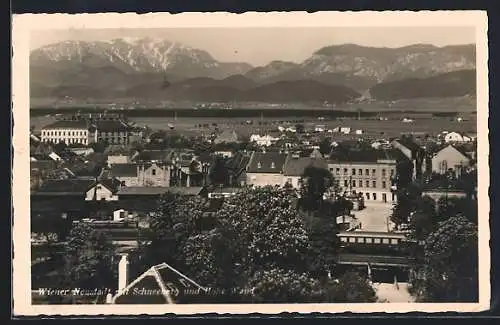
423, 221
315, 182
350, 287
219, 173
450, 206
88, 259
284, 286
448, 271
408, 198
325, 146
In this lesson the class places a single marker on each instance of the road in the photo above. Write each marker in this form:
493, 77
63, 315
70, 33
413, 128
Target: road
374, 217
389, 292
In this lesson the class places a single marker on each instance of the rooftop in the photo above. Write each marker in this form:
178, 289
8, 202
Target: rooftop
297, 166
124, 170
65, 186
266, 162
69, 124
143, 190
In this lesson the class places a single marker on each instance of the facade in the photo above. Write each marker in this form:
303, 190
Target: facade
265, 168
102, 191
112, 131
69, 132
142, 174
373, 179
118, 159
448, 158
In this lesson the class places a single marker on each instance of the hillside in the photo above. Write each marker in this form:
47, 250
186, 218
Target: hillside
452, 84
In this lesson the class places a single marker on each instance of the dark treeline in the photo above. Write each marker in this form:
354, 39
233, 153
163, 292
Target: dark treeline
235, 113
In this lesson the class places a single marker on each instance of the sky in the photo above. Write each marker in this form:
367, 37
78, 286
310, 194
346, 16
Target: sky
259, 46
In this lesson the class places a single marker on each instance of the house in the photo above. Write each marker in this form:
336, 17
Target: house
456, 137
265, 168
359, 132
160, 284
413, 151
226, 136
264, 141
81, 150
103, 190
344, 129
449, 158
142, 174
237, 166
295, 166
119, 159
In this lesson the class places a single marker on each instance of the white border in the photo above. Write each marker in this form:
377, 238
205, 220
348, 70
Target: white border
22, 24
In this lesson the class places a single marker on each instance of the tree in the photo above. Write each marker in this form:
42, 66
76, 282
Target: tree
219, 173
448, 271
325, 147
299, 128
315, 182
89, 259
350, 287
424, 220
408, 198
284, 286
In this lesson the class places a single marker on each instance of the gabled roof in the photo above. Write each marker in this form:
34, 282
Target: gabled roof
297, 166
266, 162
111, 184
111, 126
124, 170
163, 285
155, 155
409, 143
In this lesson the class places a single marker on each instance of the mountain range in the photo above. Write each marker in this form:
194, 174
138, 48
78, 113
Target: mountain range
160, 69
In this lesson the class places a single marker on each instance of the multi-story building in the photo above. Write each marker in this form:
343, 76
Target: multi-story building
85, 132
70, 132
371, 177
265, 168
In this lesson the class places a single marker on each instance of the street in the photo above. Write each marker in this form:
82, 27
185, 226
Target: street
374, 217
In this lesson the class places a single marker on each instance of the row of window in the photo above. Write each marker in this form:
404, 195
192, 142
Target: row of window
360, 172
63, 133
367, 184
117, 134
73, 140
369, 240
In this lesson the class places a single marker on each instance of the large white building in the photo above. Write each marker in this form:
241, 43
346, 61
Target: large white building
69, 132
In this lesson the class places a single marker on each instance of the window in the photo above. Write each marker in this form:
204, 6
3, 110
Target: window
374, 196
289, 181
153, 172
99, 187
376, 240
383, 173
345, 171
337, 171
383, 184
367, 183
353, 183
368, 240
361, 240
360, 172
354, 171
343, 239
331, 170
367, 196
374, 172
392, 172
367, 172
352, 239
345, 183
374, 184
394, 241
385, 240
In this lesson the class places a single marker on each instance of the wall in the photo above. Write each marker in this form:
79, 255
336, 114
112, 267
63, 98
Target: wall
118, 159
130, 181
293, 180
359, 181
101, 193
263, 179
154, 175
451, 156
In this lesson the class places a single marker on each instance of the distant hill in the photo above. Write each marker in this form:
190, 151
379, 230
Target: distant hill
157, 68
452, 84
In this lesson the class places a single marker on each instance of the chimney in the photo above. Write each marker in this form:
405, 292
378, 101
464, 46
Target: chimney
123, 272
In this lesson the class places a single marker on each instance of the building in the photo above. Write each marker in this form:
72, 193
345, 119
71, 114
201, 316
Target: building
226, 136
103, 190
144, 174
69, 132
113, 132
264, 141
412, 151
456, 137
265, 168
370, 174
449, 158
295, 167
